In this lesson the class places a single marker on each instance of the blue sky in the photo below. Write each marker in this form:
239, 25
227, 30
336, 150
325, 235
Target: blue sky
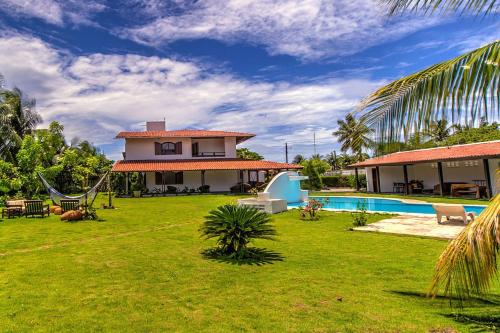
281, 69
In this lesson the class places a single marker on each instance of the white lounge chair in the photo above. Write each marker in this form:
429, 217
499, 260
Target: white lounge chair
454, 210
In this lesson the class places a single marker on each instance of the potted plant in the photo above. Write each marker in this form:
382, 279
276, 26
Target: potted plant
137, 189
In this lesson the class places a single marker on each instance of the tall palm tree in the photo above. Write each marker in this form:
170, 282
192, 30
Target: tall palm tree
464, 88
354, 135
18, 118
438, 131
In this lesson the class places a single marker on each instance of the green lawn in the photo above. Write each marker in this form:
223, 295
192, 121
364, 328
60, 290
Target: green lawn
427, 198
140, 270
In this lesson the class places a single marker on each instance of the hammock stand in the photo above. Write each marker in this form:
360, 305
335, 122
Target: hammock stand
83, 199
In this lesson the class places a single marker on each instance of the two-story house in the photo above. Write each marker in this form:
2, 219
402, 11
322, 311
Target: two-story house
191, 158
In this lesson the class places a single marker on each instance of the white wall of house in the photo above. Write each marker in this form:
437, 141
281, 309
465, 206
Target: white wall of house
369, 179
495, 177
144, 148
210, 145
230, 147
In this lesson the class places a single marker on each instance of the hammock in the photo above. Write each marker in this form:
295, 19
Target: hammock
86, 199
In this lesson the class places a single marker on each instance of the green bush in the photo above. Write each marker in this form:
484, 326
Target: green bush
360, 217
234, 227
344, 181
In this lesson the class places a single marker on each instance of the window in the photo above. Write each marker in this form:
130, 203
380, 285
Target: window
169, 178
168, 148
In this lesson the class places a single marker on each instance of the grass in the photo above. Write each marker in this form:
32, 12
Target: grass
141, 270
426, 198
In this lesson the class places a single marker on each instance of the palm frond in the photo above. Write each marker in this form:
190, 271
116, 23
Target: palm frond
462, 89
428, 6
469, 263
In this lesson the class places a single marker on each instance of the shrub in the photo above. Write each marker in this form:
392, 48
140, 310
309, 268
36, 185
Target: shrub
235, 227
360, 217
344, 181
311, 210
204, 188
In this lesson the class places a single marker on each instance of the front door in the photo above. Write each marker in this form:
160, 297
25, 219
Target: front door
375, 180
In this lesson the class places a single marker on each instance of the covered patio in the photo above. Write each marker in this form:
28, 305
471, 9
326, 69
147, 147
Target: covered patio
220, 175
460, 170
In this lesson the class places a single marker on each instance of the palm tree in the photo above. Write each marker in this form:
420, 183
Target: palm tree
438, 131
17, 119
354, 135
466, 87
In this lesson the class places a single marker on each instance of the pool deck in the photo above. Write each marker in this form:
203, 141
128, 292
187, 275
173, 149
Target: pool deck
423, 226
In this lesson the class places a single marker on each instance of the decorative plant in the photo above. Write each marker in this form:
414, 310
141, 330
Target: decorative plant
360, 217
204, 188
311, 210
235, 227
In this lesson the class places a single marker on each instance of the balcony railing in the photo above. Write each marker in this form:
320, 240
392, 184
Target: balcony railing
210, 154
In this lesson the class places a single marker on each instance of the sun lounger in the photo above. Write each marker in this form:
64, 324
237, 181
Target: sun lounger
450, 210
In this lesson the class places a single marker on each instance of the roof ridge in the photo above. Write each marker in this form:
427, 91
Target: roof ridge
440, 147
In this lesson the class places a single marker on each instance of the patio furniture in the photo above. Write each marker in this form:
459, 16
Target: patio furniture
69, 204
450, 210
241, 188
416, 186
12, 211
398, 187
446, 187
36, 207
465, 189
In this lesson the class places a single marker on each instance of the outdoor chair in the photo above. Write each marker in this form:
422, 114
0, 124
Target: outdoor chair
69, 204
36, 207
450, 210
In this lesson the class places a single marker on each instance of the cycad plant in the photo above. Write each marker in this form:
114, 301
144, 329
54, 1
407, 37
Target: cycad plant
235, 227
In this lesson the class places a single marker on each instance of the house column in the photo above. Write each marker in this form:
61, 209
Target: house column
441, 178
405, 173
489, 190
126, 183
378, 179
202, 177
356, 176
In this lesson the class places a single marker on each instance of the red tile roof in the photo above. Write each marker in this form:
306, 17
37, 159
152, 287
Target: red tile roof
478, 150
197, 165
185, 133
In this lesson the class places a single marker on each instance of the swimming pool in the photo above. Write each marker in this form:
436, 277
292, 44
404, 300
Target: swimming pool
379, 205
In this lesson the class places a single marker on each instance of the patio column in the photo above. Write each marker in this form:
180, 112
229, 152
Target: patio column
126, 183
378, 179
489, 191
405, 173
441, 181
202, 177
356, 176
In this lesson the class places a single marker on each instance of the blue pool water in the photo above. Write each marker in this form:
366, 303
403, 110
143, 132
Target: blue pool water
380, 205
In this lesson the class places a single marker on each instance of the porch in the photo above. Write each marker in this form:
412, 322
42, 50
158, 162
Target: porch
461, 170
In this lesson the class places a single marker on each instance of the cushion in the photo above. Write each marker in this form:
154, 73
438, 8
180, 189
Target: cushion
72, 215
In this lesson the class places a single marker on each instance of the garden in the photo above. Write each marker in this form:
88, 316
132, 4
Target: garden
143, 267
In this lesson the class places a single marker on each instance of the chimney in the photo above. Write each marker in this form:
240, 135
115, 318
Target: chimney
155, 125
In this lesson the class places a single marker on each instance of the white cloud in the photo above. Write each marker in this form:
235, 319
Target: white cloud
47, 10
53, 11
307, 29
97, 95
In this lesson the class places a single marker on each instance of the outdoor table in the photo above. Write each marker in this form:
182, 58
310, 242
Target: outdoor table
12, 211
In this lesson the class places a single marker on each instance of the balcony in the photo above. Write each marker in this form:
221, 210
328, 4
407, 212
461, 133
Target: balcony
209, 154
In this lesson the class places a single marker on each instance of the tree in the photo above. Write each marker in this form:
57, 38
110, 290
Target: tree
354, 135
247, 154
17, 119
30, 162
9, 178
298, 159
314, 168
439, 130
235, 227
465, 87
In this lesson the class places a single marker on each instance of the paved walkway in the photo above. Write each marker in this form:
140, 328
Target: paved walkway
425, 226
